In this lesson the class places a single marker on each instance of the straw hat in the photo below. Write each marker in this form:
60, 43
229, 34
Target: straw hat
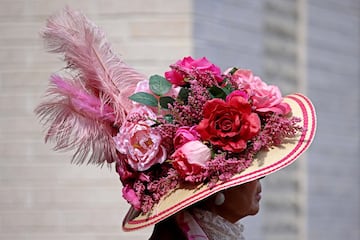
265, 163
175, 138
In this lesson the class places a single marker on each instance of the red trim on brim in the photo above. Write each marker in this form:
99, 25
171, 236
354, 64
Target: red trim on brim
308, 116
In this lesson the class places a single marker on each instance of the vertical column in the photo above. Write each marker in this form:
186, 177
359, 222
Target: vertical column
283, 65
334, 86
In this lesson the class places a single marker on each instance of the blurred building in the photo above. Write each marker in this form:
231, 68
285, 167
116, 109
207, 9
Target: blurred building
308, 46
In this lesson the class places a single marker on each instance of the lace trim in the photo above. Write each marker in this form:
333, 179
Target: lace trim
217, 227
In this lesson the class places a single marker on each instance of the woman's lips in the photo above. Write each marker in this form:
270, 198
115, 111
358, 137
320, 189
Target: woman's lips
258, 196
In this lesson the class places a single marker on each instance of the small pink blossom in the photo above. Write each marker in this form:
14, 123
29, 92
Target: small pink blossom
184, 135
130, 196
266, 98
191, 158
140, 141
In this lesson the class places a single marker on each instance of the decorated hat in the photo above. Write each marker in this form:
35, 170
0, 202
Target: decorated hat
174, 138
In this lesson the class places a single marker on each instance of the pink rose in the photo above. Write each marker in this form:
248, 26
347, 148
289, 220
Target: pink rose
186, 68
237, 93
191, 158
184, 135
247, 81
140, 142
243, 75
175, 77
266, 98
269, 99
130, 196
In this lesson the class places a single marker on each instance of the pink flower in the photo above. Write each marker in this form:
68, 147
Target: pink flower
247, 81
186, 68
266, 98
269, 99
237, 93
143, 86
139, 141
130, 196
190, 158
184, 135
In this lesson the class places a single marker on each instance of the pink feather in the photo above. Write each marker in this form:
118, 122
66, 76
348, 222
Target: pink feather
77, 120
82, 102
89, 54
85, 112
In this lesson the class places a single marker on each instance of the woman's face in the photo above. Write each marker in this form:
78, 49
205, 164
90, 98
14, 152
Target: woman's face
240, 201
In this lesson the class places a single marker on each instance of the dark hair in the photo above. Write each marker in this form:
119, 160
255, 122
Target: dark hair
167, 229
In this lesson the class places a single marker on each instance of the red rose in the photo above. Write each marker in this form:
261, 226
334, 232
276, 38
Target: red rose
229, 124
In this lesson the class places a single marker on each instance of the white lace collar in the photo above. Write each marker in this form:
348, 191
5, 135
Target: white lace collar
217, 227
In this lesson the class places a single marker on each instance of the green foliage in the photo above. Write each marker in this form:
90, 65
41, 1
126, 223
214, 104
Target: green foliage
164, 101
228, 89
233, 70
159, 85
144, 98
216, 92
183, 94
169, 118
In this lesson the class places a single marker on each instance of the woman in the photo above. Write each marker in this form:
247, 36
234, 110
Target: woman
217, 216
189, 146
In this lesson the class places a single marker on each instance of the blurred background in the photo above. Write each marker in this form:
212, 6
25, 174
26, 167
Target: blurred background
308, 46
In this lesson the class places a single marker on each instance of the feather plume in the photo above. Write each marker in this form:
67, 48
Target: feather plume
83, 112
89, 54
77, 120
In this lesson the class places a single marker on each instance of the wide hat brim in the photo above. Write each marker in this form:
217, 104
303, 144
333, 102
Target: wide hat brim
265, 163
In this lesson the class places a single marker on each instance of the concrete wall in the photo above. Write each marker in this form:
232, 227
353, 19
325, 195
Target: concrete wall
43, 196
333, 84
229, 32
313, 47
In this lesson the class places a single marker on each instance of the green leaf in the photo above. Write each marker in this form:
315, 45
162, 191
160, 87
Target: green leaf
217, 92
144, 98
164, 101
169, 118
159, 85
233, 70
228, 89
183, 94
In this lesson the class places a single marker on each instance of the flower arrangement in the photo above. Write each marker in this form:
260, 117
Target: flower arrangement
196, 125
